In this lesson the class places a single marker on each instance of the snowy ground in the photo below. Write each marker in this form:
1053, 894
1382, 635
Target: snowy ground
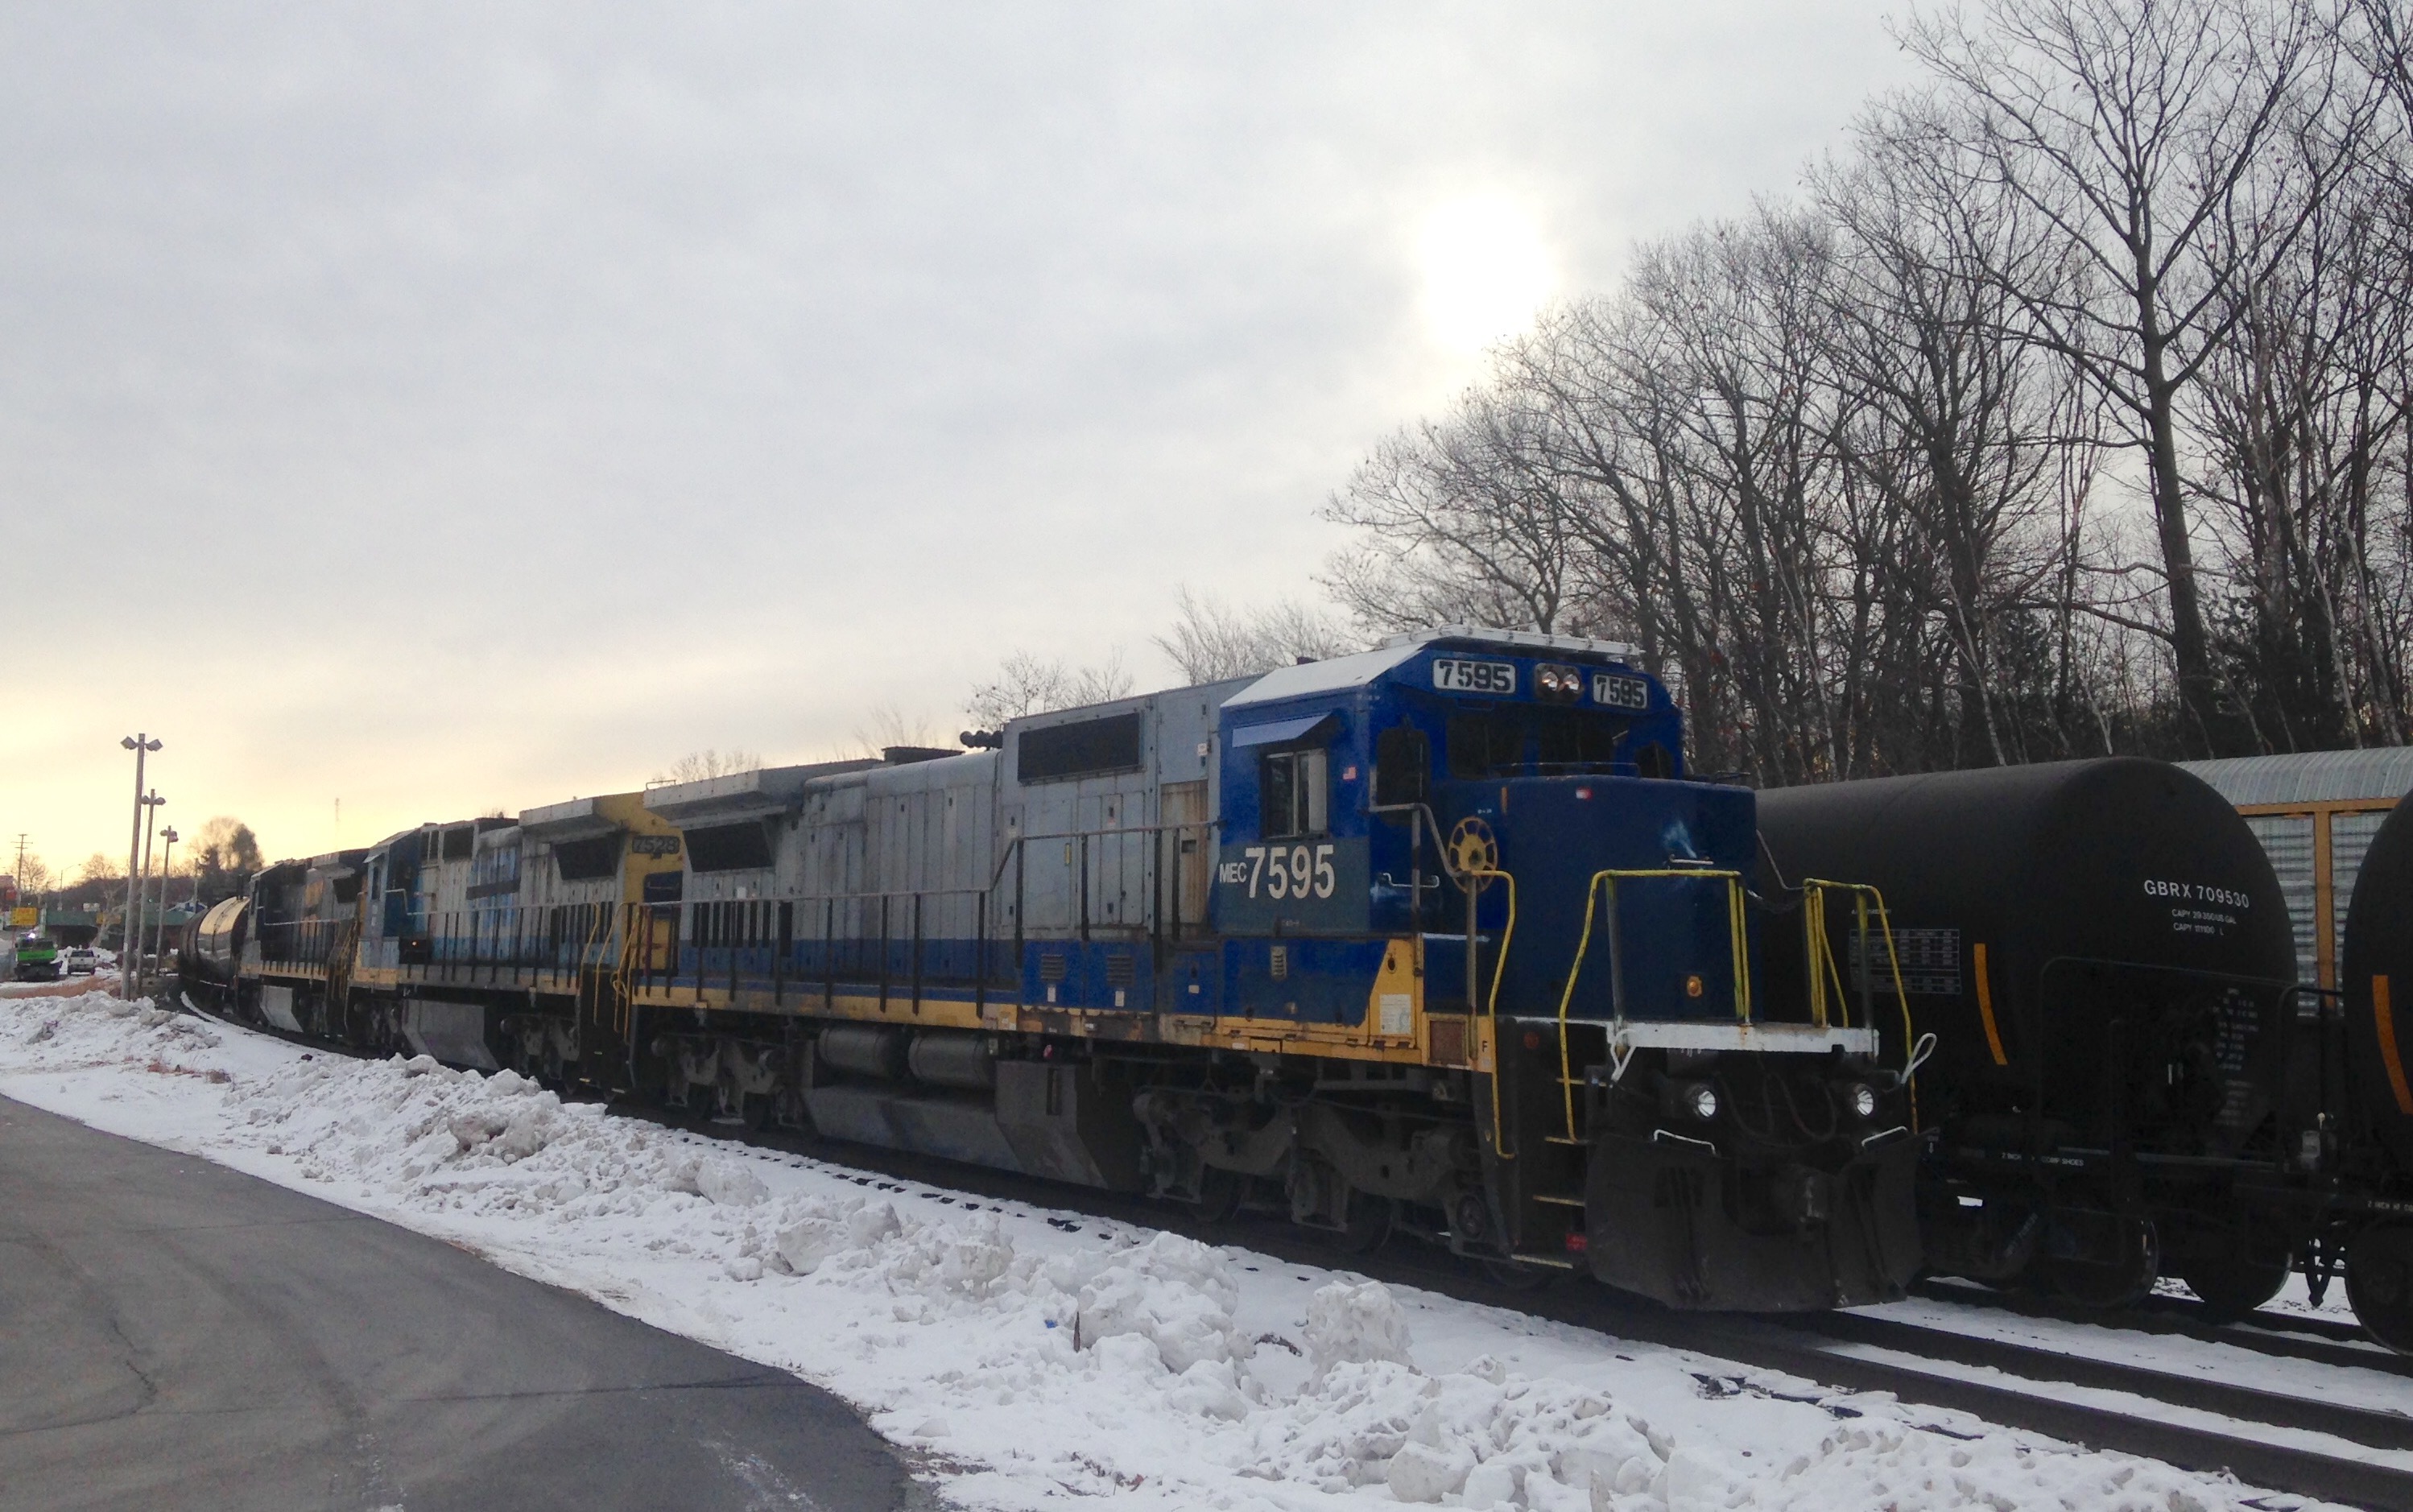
1025, 1355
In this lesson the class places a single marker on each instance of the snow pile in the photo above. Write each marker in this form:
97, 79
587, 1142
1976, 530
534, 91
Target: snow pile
1031, 1353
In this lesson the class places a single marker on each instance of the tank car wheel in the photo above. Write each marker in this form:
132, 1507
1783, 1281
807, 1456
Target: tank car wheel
1369, 1226
2107, 1285
2235, 1285
2380, 1283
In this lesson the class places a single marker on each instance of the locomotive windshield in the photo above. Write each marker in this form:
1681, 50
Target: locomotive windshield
1511, 740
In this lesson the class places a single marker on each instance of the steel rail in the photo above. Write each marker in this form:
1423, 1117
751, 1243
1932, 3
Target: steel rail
2280, 1335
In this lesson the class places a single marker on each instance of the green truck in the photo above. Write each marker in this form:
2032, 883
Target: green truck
38, 958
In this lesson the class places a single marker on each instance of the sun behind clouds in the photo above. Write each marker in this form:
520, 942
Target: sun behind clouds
1486, 271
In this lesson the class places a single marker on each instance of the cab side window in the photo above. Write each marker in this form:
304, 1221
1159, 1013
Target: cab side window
1293, 790
1402, 766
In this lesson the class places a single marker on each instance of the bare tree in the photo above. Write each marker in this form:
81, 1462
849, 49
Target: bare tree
1027, 684
1210, 642
2301, 413
1461, 522
1840, 470
1964, 434
2141, 131
1797, 465
33, 877
224, 854
225, 843
697, 765
886, 727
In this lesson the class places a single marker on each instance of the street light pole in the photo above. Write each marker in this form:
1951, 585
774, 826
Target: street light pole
134, 937
141, 745
167, 869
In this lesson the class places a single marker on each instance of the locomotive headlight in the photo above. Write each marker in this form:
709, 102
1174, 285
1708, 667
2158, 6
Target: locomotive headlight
1702, 1100
1864, 1102
1558, 682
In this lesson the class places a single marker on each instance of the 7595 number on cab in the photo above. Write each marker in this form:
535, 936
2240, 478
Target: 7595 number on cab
1283, 870
1456, 677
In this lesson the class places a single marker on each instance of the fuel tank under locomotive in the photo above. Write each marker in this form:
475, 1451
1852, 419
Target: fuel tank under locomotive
2377, 977
2103, 953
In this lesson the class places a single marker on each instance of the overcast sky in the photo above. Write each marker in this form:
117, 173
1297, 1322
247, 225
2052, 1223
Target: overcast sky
451, 409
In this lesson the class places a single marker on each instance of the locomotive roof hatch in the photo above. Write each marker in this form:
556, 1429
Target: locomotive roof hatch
580, 819
755, 795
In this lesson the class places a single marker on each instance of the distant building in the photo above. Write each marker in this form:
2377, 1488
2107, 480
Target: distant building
71, 926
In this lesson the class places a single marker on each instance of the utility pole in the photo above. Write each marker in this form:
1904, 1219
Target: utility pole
143, 891
167, 867
141, 745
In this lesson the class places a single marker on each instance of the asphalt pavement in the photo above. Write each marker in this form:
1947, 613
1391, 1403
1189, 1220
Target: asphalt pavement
176, 1335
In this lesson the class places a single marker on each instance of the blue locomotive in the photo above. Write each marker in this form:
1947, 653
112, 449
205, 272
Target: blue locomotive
1438, 936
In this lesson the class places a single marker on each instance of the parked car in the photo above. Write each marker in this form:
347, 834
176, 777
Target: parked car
82, 960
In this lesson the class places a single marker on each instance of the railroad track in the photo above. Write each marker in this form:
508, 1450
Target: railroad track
2370, 1427
2281, 1335
2312, 1447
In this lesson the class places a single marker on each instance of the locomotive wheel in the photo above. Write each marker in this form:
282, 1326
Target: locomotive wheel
2380, 1283
2233, 1285
1516, 1276
1220, 1193
1370, 1224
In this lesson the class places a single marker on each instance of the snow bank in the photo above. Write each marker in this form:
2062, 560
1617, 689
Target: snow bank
1034, 1354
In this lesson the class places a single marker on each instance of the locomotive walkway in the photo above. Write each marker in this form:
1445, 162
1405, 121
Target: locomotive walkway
175, 1334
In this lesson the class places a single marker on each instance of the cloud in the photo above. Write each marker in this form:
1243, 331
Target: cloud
466, 406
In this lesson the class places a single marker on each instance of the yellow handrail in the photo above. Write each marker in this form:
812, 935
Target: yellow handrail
1821, 955
1492, 1006
1739, 941
1864, 893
